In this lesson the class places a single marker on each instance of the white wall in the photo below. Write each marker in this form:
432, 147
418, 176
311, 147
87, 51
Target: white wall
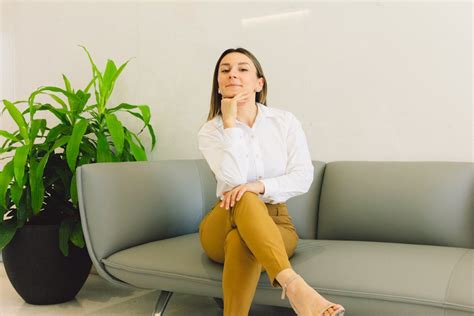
372, 80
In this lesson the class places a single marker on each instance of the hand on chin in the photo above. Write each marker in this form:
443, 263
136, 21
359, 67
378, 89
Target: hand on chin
233, 94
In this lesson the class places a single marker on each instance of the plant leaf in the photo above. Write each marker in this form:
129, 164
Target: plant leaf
21, 212
85, 159
137, 115
35, 127
7, 135
55, 131
95, 70
110, 70
90, 107
116, 75
19, 162
136, 150
59, 100
73, 190
65, 231
98, 74
103, 150
7, 232
6, 177
153, 138
83, 98
16, 193
90, 84
18, 118
37, 184
60, 142
72, 149
116, 131
87, 148
133, 135
145, 109
77, 237
122, 106
59, 113
67, 84
41, 90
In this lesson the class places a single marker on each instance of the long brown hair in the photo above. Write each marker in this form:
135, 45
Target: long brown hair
216, 98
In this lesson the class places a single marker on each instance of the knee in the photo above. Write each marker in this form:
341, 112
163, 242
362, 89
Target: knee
249, 198
211, 246
248, 204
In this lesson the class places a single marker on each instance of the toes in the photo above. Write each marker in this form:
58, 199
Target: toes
328, 312
338, 307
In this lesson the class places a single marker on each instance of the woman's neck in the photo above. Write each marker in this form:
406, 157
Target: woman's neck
247, 113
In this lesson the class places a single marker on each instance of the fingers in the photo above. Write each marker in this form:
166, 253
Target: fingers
239, 195
243, 96
225, 201
232, 197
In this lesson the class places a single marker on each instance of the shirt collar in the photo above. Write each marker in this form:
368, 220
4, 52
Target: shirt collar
263, 111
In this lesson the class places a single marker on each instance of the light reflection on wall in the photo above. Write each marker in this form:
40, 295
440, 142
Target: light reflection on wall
253, 21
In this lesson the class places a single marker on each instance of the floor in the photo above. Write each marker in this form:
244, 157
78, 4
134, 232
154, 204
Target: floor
98, 297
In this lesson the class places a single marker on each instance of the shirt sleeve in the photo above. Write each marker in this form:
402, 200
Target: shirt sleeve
226, 153
299, 171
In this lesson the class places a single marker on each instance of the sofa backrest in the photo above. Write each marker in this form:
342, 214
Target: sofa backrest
124, 204
302, 208
402, 202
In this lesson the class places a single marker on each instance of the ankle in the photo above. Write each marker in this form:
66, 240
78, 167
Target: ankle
285, 275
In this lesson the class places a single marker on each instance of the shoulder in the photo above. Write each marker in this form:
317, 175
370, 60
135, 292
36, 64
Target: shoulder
280, 115
211, 126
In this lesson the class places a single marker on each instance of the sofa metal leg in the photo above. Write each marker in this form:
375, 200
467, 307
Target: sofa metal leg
219, 302
161, 303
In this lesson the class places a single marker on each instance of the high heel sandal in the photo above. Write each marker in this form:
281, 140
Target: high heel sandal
339, 312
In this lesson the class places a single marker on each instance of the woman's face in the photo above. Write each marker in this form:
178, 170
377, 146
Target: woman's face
237, 73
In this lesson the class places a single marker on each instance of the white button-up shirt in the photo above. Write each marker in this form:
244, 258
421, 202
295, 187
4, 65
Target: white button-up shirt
274, 151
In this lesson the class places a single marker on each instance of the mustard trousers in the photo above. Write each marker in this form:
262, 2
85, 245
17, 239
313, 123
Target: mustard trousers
249, 238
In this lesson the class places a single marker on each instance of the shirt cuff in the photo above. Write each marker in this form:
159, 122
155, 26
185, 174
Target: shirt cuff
271, 188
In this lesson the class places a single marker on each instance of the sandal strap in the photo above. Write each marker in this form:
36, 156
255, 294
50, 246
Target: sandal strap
322, 310
285, 286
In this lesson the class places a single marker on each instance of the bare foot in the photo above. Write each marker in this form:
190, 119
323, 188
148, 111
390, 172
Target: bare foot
308, 301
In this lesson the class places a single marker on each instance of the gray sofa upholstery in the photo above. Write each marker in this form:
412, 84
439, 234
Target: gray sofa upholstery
389, 237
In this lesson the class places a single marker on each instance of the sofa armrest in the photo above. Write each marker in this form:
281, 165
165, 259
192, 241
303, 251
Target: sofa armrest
124, 204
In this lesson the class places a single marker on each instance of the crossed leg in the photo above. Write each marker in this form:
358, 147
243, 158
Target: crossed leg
248, 239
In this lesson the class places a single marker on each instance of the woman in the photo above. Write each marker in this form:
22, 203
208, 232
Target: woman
260, 159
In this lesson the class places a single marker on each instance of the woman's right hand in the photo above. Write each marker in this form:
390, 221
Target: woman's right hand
229, 106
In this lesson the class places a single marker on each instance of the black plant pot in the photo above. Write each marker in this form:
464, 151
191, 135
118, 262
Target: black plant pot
38, 270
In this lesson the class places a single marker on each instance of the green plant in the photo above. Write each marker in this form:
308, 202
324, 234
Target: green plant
38, 184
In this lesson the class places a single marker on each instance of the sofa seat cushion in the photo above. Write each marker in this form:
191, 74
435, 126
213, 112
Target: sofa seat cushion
433, 276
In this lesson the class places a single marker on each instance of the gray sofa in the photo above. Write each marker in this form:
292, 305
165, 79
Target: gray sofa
394, 238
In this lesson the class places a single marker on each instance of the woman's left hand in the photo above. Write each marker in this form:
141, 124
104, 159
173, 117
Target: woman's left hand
230, 197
